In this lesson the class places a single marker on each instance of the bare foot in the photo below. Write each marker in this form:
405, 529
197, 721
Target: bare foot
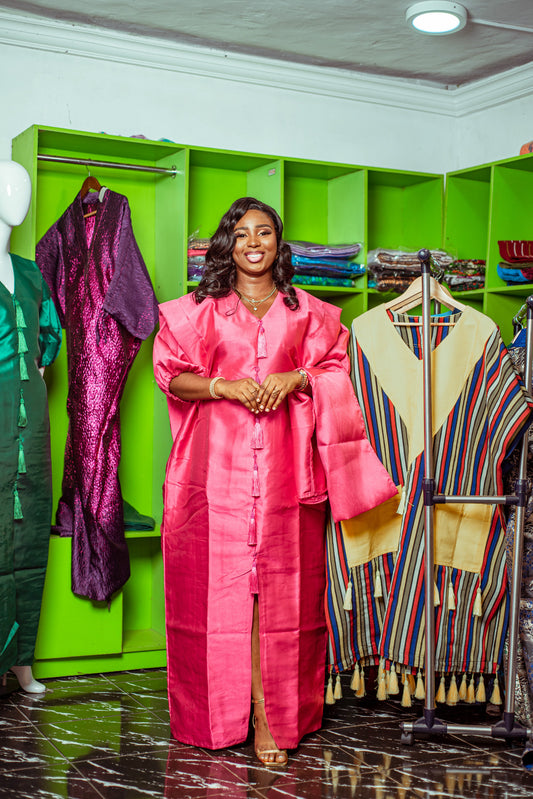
265, 745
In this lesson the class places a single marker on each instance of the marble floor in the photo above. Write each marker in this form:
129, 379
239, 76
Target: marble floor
107, 735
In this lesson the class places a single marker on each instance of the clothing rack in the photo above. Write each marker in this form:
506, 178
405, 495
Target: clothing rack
429, 724
63, 159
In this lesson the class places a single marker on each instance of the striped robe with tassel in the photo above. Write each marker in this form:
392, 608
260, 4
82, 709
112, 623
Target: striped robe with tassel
375, 573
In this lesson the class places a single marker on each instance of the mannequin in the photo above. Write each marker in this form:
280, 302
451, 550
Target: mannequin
15, 194
28, 310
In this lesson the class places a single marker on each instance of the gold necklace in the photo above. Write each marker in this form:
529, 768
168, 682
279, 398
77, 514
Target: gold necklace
253, 302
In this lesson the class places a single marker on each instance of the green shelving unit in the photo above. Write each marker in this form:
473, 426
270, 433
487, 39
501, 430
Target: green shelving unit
484, 205
323, 202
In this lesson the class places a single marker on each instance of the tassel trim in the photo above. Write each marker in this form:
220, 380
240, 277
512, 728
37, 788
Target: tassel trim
254, 585
378, 590
22, 345
330, 699
453, 694
356, 677
496, 697
451, 596
257, 435
23, 418
478, 602
393, 687
261, 343
361, 691
406, 694
252, 528
21, 460
441, 693
420, 692
463, 689
17, 507
23, 368
19, 316
382, 682
347, 604
481, 695
10, 636
337, 693
436, 595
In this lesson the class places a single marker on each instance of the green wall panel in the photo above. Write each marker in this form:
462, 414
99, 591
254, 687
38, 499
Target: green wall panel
70, 625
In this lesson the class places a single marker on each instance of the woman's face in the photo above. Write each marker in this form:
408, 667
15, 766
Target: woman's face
255, 244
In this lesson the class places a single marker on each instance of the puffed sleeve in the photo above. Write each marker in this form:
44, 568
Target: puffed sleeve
177, 346
50, 334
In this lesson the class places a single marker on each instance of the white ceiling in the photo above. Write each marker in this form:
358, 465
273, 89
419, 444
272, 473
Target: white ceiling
364, 36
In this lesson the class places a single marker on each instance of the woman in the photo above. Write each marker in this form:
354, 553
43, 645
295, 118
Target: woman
262, 411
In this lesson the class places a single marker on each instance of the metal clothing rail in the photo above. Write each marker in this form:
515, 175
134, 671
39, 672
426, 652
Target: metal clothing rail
64, 159
429, 724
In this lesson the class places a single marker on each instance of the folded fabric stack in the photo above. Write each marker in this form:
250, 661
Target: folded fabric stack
196, 251
516, 265
395, 270
325, 264
465, 274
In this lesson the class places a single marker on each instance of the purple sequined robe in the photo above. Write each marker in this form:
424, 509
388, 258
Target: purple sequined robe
106, 303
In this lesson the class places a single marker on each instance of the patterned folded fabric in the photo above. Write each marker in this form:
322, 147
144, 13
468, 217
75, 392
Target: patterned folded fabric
390, 283
312, 250
464, 282
402, 258
467, 266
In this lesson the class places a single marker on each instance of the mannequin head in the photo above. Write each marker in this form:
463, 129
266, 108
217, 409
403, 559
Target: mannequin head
15, 193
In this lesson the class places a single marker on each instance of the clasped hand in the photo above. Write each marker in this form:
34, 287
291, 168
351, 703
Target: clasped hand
260, 398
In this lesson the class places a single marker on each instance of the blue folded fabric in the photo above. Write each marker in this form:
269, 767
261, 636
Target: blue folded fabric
511, 275
309, 266
320, 280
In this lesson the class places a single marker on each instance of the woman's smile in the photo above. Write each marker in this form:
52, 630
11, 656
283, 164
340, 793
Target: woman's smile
256, 245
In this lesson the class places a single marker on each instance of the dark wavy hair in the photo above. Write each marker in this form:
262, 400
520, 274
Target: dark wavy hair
220, 274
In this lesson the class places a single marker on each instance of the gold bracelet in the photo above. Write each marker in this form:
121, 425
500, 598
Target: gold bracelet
305, 380
212, 387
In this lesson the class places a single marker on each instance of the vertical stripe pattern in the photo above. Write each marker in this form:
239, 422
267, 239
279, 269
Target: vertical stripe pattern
485, 422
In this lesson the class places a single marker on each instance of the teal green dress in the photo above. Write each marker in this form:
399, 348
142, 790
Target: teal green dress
30, 337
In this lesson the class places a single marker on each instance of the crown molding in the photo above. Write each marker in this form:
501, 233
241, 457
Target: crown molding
40, 33
513, 84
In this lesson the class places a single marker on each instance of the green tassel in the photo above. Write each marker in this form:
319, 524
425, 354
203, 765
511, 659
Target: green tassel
10, 637
22, 459
23, 419
23, 347
23, 368
21, 322
17, 507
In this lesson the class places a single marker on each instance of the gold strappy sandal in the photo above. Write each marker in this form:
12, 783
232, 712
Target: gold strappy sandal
260, 752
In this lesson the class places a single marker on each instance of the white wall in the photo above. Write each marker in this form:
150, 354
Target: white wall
494, 134
83, 79
80, 93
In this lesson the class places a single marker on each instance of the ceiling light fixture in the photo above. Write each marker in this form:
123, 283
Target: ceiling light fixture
436, 17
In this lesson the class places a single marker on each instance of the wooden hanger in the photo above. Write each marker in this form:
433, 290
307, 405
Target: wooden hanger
412, 297
89, 184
